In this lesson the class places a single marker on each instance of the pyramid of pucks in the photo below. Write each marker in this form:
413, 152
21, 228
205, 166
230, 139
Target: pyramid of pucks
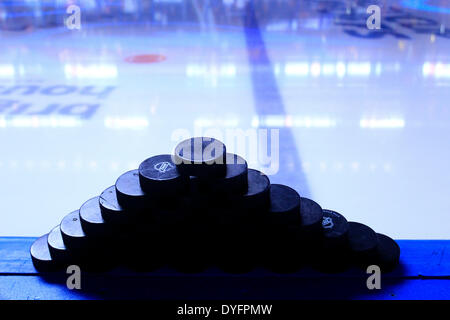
202, 207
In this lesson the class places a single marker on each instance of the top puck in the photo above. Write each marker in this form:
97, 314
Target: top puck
284, 206
159, 177
335, 229
201, 157
129, 192
388, 253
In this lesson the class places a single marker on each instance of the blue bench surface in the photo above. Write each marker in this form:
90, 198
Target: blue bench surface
424, 273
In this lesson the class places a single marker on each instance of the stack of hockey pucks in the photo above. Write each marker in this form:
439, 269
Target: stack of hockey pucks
203, 207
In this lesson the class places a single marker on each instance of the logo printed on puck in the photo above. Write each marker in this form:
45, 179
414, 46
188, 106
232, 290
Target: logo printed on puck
327, 223
163, 167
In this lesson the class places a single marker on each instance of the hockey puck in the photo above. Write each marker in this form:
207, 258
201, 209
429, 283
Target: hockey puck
236, 252
283, 249
201, 157
235, 179
329, 261
112, 211
387, 253
91, 251
129, 192
332, 256
58, 250
159, 177
40, 256
250, 207
172, 213
257, 196
188, 248
284, 206
283, 253
92, 221
335, 230
311, 217
72, 233
138, 250
362, 242
234, 182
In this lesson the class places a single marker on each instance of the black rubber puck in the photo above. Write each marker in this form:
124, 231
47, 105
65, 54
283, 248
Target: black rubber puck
58, 250
188, 245
388, 253
335, 230
235, 179
284, 206
72, 233
201, 157
236, 252
257, 196
112, 211
331, 262
363, 243
91, 253
129, 192
234, 182
137, 250
311, 217
172, 213
92, 221
248, 208
40, 256
159, 177
333, 255
283, 253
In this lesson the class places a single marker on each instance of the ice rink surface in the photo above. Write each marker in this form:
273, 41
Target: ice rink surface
359, 119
